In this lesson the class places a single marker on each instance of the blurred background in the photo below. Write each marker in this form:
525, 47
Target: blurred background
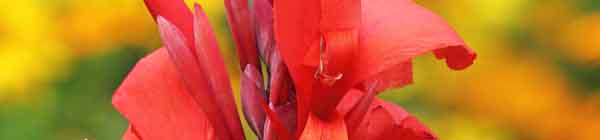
537, 75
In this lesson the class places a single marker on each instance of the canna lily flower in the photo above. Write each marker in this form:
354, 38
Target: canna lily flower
326, 61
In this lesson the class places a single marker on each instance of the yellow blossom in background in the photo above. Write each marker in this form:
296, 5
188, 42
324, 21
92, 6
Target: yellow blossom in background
90, 27
481, 15
525, 93
547, 17
461, 127
518, 89
580, 38
30, 53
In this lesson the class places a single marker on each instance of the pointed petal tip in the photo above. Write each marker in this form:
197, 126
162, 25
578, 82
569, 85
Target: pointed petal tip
252, 72
198, 8
171, 36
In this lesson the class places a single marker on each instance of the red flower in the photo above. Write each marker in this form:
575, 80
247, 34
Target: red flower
326, 61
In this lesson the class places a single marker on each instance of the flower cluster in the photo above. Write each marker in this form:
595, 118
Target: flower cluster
326, 60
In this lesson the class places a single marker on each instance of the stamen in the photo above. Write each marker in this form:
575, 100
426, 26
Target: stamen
321, 74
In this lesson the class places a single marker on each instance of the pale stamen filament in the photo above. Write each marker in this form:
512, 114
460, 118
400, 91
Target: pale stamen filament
320, 73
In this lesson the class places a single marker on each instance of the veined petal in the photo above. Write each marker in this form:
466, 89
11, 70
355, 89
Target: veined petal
242, 28
201, 82
177, 12
386, 120
155, 100
395, 31
252, 95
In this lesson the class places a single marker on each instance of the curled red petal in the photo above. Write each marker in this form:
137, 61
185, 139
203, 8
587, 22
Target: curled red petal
252, 96
395, 31
386, 120
242, 28
155, 100
177, 12
198, 80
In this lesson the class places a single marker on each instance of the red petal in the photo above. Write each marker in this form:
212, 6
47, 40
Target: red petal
355, 106
242, 28
211, 60
252, 94
386, 120
285, 120
263, 14
280, 83
280, 80
275, 129
299, 26
175, 11
339, 52
393, 77
282, 104
340, 22
131, 134
297, 29
204, 84
287, 114
155, 100
395, 31
318, 129
340, 14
